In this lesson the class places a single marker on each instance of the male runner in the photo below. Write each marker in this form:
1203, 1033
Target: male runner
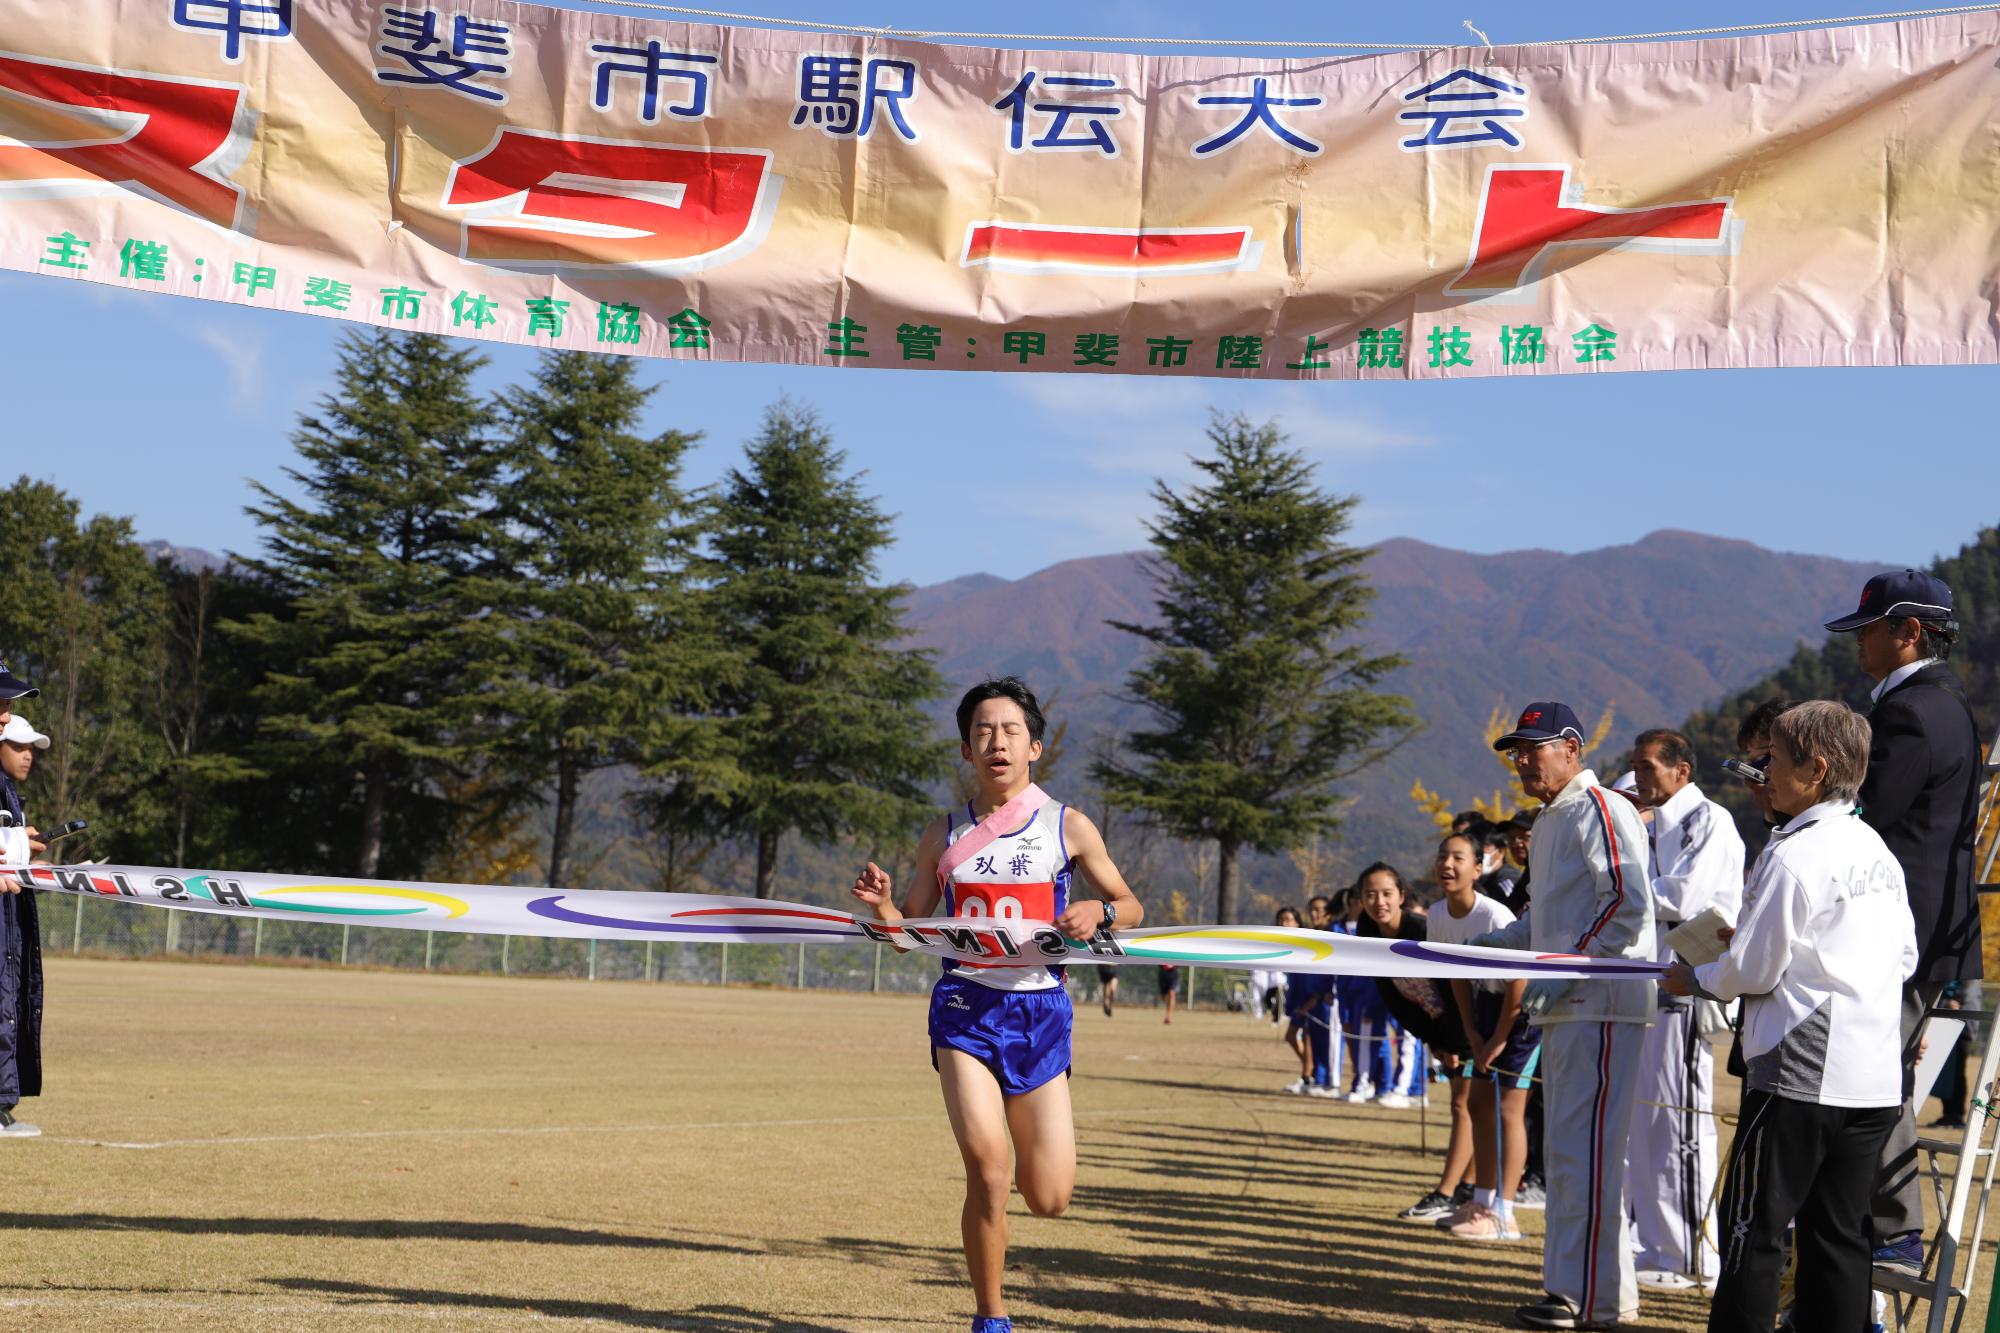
1000, 1032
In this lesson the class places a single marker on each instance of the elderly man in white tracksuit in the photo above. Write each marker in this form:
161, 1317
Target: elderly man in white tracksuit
1590, 895
1670, 1160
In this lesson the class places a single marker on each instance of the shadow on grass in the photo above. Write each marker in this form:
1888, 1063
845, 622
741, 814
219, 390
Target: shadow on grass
696, 1319
359, 1228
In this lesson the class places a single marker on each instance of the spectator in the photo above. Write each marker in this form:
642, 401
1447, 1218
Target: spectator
1589, 872
1496, 877
1670, 1160
20, 924
1753, 738
1107, 989
1820, 957
1170, 987
1309, 998
1921, 794
1364, 1012
1418, 1011
1505, 1052
1296, 1036
1520, 839
1466, 819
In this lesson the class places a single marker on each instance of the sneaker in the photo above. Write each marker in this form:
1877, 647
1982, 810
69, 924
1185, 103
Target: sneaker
1485, 1224
10, 1128
1531, 1195
1661, 1279
1362, 1092
1553, 1311
1429, 1208
1298, 1087
1321, 1090
1461, 1196
992, 1324
1394, 1101
1904, 1254
1459, 1215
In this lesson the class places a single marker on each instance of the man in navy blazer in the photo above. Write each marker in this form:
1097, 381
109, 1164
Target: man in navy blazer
1921, 795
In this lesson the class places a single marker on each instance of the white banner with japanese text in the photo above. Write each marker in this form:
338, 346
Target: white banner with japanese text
699, 918
568, 179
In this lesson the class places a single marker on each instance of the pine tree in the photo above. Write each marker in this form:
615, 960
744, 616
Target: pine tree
82, 604
606, 662
1257, 705
377, 658
822, 722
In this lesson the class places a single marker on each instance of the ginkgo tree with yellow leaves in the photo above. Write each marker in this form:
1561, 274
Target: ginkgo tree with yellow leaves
1509, 796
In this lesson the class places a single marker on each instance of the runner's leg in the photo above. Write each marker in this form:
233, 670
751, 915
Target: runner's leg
979, 1122
1044, 1130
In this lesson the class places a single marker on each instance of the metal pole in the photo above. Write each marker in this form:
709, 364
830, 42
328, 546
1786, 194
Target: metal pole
430, 938
802, 967
725, 965
346, 932
506, 944
875, 984
257, 939
649, 960
173, 931
76, 931
593, 960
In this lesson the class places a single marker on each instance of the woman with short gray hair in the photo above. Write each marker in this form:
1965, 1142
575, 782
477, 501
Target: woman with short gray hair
1819, 957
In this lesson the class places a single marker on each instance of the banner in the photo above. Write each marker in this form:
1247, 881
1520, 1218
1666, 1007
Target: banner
699, 918
582, 180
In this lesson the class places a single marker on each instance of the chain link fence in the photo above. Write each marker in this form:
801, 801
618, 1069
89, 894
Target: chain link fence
105, 928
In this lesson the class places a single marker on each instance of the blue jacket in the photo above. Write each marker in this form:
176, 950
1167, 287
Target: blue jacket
20, 983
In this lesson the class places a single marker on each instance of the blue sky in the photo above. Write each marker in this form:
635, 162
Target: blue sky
162, 409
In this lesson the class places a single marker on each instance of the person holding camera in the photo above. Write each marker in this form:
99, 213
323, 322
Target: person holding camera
20, 927
1819, 959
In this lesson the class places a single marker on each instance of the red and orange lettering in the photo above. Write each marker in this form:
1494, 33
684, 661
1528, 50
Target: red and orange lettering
536, 200
84, 130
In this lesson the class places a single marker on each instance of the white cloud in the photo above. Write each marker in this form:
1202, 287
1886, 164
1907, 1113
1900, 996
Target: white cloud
1150, 425
242, 360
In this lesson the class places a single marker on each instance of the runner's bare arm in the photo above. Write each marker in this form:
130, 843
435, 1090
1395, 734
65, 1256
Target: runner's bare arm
873, 889
1086, 848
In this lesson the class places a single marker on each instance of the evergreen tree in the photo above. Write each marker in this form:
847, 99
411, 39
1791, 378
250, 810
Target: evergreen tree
1257, 705
607, 662
821, 722
376, 660
82, 603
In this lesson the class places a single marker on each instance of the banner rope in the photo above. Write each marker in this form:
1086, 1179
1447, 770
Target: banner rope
870, 30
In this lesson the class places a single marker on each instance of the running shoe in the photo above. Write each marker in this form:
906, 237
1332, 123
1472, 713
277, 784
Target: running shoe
1552, 1311
1298, 1087
1394, 1101
1485, 1224
1904, 1254
1427, 1209
10, 1128
1531, 1195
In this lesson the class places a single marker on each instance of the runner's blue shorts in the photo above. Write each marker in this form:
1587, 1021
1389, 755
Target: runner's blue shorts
1022, 1036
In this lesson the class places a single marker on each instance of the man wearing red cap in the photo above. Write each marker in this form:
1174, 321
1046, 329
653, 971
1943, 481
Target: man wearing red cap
1921, 794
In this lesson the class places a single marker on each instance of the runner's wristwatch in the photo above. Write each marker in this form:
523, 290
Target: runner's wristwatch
1110, 916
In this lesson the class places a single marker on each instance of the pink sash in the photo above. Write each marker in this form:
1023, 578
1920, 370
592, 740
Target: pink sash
1004, 820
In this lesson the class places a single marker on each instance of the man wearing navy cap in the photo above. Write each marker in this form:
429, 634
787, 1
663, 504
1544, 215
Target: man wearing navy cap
1591, 896
20, 933
1921, 795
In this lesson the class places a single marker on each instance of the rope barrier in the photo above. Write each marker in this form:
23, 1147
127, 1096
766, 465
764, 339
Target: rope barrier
922, 34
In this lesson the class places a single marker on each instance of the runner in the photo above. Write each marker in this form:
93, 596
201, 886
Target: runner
1000, 1033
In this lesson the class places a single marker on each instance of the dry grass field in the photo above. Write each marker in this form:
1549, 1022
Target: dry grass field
234, 1147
